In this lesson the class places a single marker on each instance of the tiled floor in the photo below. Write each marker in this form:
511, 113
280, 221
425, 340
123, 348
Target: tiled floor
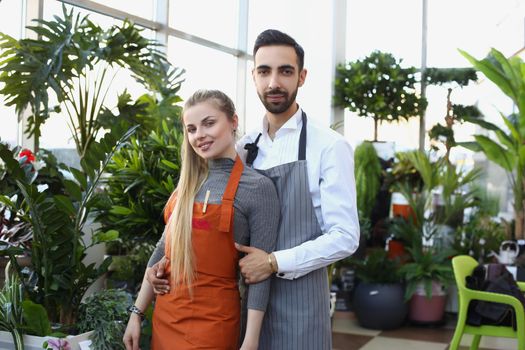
348, 335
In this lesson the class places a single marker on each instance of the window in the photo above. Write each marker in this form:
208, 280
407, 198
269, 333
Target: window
141, 8
309, 22
209, 19
388, 26
484, 24
205, 68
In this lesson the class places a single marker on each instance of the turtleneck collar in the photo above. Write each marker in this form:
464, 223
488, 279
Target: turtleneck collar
221, 164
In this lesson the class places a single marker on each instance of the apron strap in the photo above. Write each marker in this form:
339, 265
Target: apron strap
302, 140
229, 196
253, 149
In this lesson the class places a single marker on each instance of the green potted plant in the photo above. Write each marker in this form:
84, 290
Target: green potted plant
378, 298
142, 176
105, 312
61, 64
367, 177
428, 272
427, 277
506, 149
60, 276
378, 87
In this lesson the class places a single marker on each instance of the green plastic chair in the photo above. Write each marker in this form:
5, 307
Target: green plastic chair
463, 266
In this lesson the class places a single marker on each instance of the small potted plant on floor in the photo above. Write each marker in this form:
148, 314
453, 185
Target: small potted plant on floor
427, 278
378, 299
427, 272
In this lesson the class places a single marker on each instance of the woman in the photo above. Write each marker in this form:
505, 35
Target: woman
217, 202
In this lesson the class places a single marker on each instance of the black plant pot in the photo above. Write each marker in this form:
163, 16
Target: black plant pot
380, 306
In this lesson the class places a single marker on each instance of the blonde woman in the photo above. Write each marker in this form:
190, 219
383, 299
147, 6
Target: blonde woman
217, 202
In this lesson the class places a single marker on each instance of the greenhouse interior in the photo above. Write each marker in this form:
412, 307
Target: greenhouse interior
354, 172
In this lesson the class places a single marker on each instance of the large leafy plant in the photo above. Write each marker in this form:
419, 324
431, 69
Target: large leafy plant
428, 260
59, 275
75, 61
453, 185
378, 87
141, 178
507, 149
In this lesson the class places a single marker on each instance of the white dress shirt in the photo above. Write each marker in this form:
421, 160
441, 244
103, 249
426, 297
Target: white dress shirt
330, 166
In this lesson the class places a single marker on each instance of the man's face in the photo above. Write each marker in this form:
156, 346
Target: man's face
277, 77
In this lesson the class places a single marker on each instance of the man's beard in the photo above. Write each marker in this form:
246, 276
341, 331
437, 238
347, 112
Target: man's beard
281, 107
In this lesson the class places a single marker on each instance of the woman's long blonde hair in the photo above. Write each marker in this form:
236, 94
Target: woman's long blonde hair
193, 173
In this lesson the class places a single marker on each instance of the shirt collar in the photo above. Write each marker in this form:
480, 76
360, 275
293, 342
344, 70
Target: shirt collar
293, 123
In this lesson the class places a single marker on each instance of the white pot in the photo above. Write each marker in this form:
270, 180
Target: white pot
31, 342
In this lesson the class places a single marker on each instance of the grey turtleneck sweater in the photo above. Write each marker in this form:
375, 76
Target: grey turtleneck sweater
256, 217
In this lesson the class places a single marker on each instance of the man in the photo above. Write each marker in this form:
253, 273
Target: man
312, 168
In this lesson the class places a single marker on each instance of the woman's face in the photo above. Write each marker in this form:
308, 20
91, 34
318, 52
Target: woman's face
210, 132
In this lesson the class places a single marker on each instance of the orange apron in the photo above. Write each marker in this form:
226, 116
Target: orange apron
211, 318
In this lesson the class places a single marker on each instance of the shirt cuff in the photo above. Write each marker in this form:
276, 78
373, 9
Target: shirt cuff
285, 264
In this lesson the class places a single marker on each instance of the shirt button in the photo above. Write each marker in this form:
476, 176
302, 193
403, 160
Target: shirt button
280, 274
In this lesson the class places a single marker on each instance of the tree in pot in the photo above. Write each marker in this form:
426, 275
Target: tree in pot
378, 87
444, 134
378, 298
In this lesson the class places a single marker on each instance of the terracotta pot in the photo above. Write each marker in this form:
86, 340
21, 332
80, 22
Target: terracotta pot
396, 249
400, 206
428, 310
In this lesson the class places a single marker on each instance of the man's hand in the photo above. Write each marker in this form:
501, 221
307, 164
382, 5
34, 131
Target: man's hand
156, 276
254, 266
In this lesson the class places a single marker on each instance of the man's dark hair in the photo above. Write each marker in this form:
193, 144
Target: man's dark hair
272, 37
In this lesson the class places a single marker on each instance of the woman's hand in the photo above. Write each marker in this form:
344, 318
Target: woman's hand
132, 335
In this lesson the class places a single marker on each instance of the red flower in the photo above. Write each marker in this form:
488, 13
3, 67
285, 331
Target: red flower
30, 156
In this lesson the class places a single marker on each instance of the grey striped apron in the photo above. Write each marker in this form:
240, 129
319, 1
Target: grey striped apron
297, 316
